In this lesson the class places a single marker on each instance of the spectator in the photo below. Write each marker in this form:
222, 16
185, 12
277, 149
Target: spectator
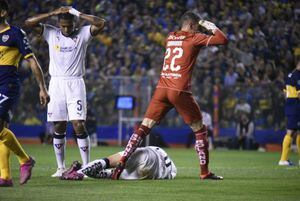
244, 133
136, 30
242, 107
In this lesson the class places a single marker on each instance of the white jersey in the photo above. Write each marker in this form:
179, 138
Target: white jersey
67, 54
149, 163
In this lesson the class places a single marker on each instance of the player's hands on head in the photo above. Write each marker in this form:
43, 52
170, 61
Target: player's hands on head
61, 10
44, 97
208, 25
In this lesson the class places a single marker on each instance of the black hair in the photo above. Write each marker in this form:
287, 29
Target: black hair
4, 5
65, 16
190, 16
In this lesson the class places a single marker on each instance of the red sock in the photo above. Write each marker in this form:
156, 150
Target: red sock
134, 141
201, 147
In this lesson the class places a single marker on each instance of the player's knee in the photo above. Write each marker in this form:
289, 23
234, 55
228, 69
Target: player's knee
82, 135
60, 127
148, 122
196, 126
79, 127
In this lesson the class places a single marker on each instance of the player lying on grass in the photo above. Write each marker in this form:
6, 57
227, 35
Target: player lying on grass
145, 163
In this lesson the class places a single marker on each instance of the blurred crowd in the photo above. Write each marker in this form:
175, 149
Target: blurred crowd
263, 46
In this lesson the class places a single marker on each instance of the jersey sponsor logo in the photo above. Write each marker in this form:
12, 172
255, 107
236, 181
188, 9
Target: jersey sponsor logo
171, 75
172, 37
5, 38
64, 49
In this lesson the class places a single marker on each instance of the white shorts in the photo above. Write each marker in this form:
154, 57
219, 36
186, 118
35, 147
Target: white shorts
149, 163
67, 99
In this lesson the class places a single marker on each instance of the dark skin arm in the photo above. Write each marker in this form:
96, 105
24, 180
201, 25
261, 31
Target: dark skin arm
38, 74
34, 21
96, 22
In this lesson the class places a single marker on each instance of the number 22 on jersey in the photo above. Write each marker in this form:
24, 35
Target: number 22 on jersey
174, 54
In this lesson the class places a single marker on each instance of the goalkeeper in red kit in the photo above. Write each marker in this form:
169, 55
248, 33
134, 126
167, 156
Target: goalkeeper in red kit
174, 89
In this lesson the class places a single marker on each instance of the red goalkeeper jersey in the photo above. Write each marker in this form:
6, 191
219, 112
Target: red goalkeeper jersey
182, 49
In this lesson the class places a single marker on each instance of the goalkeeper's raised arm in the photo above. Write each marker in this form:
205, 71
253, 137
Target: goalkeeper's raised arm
218, 37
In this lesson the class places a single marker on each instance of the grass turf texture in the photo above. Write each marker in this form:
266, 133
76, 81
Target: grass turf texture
248, 176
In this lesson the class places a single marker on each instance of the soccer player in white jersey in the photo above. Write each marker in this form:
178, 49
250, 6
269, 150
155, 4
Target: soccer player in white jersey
145, 163
67, 52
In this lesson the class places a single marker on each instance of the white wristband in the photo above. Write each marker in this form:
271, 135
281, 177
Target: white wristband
75, 12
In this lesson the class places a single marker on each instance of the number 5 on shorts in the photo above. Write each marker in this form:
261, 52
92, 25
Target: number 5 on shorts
79, 103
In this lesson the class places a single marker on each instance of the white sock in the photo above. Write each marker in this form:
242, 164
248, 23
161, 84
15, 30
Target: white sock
84, 148
59, 146
103, 163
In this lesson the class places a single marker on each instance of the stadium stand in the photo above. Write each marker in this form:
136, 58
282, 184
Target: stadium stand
264, 42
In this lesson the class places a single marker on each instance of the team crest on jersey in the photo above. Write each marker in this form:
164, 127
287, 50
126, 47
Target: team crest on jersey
5, 38
49, 114
75, 39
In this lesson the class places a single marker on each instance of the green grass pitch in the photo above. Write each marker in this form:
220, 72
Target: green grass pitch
248, 176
